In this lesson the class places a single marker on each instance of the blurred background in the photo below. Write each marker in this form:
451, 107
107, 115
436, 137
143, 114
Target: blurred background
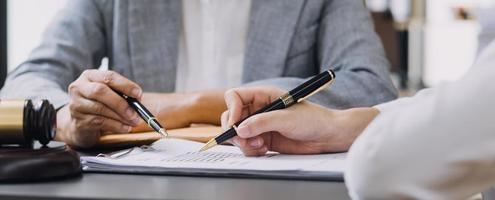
430, 42
427, 42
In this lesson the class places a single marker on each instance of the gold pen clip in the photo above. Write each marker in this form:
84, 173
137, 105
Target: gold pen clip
319, 89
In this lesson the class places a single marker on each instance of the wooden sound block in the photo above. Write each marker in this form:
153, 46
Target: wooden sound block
39, 163
197, 133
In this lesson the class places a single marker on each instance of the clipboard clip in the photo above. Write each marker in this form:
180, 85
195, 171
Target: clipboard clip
125, 152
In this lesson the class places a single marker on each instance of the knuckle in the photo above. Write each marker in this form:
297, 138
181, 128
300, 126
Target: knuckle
73, 113
259, 121
98, 90
97, 121
73, 87
122, 105
99, 109
108, 76
73, 106
75, 116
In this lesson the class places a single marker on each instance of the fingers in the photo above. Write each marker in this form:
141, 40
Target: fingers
114, 81
96, 108
98, 124
85, 131
251, 147
85, 106
234, 105
253, 98
105, 95
274, 121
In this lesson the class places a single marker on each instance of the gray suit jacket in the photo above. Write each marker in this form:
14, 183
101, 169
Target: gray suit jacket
288, 41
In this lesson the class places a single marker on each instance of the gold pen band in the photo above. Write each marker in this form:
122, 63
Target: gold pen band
287, 99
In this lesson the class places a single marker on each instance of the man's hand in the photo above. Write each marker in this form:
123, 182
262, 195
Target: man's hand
304, 128
95, 108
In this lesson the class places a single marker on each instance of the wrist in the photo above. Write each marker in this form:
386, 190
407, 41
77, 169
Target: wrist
357, 119
347, 126
173, 109
62, 119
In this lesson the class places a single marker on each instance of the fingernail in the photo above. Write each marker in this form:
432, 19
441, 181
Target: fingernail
255, 143
136, 92
243, 131
129, 112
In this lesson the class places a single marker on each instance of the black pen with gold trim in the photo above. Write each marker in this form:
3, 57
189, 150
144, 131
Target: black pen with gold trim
145, 114
298, 94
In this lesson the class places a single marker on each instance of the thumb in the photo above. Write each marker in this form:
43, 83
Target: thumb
262, 123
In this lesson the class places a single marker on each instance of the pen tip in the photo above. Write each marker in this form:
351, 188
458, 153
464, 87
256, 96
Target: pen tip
163, 132
208, 145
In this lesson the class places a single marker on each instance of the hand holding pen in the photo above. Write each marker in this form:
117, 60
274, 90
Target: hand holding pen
248, 104
305, 128
95, 109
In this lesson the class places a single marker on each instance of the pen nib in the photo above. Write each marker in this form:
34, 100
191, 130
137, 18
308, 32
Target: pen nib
209, 145
163, 132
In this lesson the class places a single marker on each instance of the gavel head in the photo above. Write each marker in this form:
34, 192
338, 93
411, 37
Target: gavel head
24, 121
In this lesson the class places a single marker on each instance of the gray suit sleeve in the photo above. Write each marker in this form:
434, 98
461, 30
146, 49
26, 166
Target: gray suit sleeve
73, 42
486, 20
347, 42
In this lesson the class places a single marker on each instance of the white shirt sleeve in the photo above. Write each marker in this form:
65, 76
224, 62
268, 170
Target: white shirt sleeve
439, 144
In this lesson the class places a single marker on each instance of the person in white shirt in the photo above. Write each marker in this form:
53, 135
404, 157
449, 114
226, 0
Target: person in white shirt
439, 144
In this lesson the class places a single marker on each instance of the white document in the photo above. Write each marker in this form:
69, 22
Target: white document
176, 154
